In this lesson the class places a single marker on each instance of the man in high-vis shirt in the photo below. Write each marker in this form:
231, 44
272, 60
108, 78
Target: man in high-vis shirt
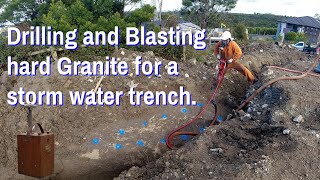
230, 51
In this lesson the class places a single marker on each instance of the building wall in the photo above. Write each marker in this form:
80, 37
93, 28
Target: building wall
280, 29
312, 33
300, 29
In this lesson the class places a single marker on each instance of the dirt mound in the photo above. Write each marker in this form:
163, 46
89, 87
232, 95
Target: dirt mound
75, 128
263, 143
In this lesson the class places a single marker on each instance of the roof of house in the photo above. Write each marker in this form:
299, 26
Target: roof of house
188, 26
303, 21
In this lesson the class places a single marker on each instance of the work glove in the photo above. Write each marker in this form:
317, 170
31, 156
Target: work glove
230, 61
218, 56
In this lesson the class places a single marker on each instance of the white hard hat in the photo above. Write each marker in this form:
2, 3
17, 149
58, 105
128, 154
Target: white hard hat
226, 35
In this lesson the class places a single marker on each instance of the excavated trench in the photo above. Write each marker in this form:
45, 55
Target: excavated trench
263, 130
234, 90
230, 95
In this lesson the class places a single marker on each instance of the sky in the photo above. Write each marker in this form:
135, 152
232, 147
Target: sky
279, 7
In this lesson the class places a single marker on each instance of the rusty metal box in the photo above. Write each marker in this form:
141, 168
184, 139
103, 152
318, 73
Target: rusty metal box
36, 154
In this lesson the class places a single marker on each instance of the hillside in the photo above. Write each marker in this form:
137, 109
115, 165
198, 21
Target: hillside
252, 20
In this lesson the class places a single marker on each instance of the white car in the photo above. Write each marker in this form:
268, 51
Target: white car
299, 46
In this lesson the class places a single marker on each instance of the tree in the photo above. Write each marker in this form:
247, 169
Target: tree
100, 7
22, 10
79, 15
317, 16
57, 17
201, 11
170, 20
119, 5
143, 14
61, 17
302, 37
31, 10
240, 32
291, 36
116, 20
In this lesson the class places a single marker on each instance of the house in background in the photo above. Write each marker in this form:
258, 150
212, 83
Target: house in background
188, 26
184, 25
307, 25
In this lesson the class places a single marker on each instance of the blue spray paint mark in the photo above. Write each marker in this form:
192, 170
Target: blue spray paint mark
163, 141
140, 143
95, 141
145, 123
184, 110
200, 105
164, 116
202, 130
184, 137
122, 132
118, 146
220, 119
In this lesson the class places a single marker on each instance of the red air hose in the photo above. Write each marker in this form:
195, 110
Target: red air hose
278, 79
221, 74
176, 132
293, 71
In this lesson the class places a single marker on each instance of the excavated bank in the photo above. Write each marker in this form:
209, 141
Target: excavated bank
76, 128
262, 143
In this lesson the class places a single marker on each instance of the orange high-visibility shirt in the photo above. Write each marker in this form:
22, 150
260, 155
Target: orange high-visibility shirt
231, 51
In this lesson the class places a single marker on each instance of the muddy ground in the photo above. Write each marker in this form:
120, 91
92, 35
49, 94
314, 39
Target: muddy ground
88, 139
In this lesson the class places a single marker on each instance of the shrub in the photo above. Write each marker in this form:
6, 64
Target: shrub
280, 38
262, 30
240, 32
291, 36
302, 37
